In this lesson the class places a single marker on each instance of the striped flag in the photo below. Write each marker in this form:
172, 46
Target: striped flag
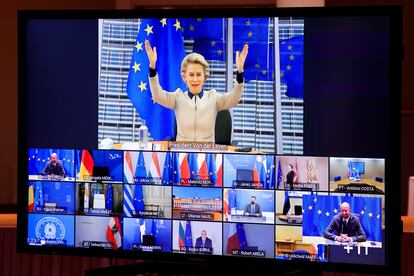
128, 168
86, 197
226, 206
202, 166
86, 166
181, 236
154, 168
296, 176
30, 204
219, 163
184, 167
128, 201
113, 232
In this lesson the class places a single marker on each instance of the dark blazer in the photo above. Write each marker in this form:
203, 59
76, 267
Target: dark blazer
257, 209
354, 228
56, 169
289, 177
207, 244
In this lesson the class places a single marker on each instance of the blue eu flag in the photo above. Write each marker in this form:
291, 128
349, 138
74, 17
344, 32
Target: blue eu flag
188, 235
255, 33
208, 35
319, 211
167, 172
166, 36
291, 66
279, 174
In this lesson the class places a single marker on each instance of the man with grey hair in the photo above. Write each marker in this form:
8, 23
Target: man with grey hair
54, 167
345, 227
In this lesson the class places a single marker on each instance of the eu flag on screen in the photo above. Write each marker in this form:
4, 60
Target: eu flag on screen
279, 174
167, 172
208, 35
138, 199
211, 167
108, 197
38, 200
286, 203
192, 164
241, 235
319, 211
176, 169
166, 36
38, 159
270, 172
188, 235
255, 33
140, 169
291, 66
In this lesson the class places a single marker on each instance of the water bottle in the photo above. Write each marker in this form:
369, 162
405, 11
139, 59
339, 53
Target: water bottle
143, 135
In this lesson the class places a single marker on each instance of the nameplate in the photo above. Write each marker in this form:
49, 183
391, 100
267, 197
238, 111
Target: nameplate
196, 146
248, 218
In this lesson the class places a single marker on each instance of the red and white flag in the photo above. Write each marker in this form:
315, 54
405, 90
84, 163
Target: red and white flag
113, 232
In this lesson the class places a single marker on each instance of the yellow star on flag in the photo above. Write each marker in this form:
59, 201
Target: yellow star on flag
250, 34
289, 47
136, 67
177, 25
264, 72
291, 57
219, 52
143, 86
248, 23
213, 43
138, 46
199, 19
288, 67
163, 22
148, 29
191, 28
257, 65
282, 74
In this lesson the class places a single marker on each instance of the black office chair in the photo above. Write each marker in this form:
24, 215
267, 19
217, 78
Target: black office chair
222, 130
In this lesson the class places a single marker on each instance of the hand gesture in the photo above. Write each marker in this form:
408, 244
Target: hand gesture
241, 58
151, 53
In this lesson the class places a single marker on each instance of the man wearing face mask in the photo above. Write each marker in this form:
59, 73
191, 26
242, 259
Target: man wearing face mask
196, 109
252, 209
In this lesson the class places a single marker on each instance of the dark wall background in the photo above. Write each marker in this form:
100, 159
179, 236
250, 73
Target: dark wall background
62, 94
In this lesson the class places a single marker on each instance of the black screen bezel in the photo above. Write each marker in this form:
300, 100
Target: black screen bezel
392, 169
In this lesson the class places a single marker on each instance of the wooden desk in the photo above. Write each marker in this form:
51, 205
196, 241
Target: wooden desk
284, 246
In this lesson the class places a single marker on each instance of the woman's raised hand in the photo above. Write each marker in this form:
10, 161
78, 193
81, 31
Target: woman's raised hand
241, 58
151, 53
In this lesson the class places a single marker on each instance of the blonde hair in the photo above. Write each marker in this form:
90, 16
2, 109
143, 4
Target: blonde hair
194, 58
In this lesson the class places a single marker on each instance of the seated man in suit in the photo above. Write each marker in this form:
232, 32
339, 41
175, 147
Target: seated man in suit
253, 208
203, 241
345, 227
54, 167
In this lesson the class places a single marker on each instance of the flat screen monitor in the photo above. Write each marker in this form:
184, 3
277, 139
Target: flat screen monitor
311, 91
